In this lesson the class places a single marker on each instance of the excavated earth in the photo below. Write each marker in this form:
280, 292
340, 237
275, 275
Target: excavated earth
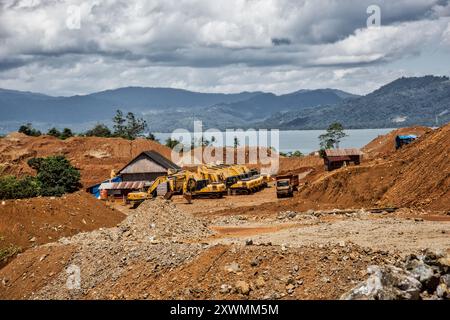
317, 245
31, 222
95, 157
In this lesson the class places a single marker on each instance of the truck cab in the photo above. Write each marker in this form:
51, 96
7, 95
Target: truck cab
286, 185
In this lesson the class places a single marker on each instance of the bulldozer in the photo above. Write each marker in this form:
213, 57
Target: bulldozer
185, 183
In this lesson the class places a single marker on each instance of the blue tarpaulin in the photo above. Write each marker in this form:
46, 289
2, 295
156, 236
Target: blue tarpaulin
95, 191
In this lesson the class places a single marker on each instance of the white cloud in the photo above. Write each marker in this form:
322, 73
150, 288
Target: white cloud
210, 45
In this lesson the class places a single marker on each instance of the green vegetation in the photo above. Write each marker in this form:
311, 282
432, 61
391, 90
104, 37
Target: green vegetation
15, 188
128, 127
125, 126
332, 137
171, 143
100, 130
152, 137
55, 176
66, 133
295, 154
29, 130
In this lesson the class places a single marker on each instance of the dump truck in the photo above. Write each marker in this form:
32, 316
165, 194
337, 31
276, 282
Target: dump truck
286, 185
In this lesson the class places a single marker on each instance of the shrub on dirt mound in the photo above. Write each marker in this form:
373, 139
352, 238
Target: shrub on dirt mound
55, 176
16, 188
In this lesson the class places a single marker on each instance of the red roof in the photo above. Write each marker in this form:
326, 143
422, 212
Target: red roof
125, 185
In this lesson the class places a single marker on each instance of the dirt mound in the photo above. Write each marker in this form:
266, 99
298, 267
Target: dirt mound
181, 271
94, 156
153, 234
394, 180
296, 165
30, 222
385, 144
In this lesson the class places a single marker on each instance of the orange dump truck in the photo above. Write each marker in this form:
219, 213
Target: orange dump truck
286, 185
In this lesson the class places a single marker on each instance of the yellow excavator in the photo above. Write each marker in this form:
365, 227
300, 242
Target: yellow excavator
235, 181
186, 183
254, 173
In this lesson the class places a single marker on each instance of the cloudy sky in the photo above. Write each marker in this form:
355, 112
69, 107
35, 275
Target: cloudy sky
219, 45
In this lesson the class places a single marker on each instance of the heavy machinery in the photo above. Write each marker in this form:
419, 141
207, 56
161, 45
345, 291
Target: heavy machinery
286, 185
189, 184
237, 179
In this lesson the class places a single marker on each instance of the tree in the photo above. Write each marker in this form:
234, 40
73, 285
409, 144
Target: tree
236, 142
172, 143
119, 124
152, 137
67, 133
54, 132
129, 127
135, 126
100, 130
55, 175
332, 137
29, 130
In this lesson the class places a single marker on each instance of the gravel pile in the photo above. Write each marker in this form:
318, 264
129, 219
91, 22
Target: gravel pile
164, 221
154, 234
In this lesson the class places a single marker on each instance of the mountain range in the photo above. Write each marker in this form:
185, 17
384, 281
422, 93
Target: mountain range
406, 101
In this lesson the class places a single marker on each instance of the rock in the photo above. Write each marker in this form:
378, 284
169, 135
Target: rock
386, 283
296, 268
342, 244
290, 288
446, 280
291, 214
254, 262
444, 262
225, 288
442, 291
242, 287
232, 267
33, 239
326, 280
290, 280
423, 272
418, 219
248, 242
259, 283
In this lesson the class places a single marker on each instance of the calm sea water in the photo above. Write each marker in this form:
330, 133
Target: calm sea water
307, 141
